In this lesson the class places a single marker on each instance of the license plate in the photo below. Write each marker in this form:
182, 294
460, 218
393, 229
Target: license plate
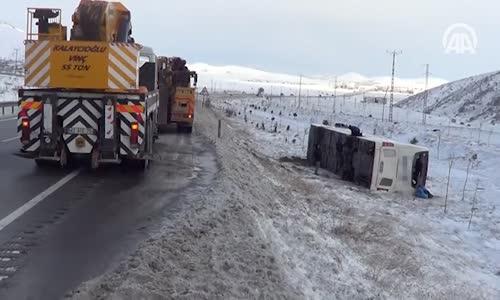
77, 130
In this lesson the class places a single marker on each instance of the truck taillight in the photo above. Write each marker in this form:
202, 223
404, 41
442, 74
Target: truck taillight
134, 134
25, 131
190, 116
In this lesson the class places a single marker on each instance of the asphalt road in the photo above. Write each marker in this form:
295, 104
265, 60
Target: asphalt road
92, 221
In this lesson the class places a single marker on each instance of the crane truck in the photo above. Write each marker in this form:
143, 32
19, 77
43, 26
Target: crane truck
94, 95
177, 85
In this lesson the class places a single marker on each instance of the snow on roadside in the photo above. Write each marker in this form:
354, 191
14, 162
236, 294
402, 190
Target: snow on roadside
270, 229
482, 242
8, 87
212, 249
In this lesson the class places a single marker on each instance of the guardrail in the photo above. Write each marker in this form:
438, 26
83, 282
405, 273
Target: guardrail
20, 75
8, 108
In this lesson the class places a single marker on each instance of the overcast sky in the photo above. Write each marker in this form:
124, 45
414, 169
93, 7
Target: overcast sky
312, 37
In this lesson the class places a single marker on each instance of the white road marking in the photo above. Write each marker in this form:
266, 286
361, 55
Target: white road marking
4, 120
10, 140
42, 196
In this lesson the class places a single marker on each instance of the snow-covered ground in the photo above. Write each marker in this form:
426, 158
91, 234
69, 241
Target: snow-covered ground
483, 238
270, 229
9, 86
475, 99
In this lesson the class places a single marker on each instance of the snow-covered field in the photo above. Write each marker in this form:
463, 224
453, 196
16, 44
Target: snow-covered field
268, 228
237, 78
482, 240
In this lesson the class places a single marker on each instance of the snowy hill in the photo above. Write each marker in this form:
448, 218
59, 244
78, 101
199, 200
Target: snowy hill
250, 80
12, 38
475, 98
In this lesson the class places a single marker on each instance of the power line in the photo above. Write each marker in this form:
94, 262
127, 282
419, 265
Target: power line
391, 105
16, 62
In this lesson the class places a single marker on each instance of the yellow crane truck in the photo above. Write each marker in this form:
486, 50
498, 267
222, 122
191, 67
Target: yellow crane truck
177, 85
94, 95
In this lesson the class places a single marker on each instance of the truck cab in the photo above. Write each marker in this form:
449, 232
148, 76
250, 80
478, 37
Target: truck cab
148, 75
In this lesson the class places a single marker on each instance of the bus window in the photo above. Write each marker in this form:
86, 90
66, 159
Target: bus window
143, 60
363, 163
390, 153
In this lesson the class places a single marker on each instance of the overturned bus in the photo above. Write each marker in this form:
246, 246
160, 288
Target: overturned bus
369, 161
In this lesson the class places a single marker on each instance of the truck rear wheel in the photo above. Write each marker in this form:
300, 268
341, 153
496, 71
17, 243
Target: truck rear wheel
143, 164
94, 159
63, 157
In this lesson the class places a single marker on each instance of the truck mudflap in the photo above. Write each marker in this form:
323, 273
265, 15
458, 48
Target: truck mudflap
132, 120
29, 124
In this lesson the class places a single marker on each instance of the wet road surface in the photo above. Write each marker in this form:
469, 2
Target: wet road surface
92, 221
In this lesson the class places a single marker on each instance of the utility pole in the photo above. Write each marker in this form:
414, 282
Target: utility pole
384, 103
335, 96
391, 105
426, 96
300, 88
281, 96
17, 61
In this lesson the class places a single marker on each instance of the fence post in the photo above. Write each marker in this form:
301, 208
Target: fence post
439, 144
448, 185
3, 110
479, 138
219, 129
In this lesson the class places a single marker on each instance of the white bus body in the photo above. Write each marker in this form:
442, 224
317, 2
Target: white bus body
373, 162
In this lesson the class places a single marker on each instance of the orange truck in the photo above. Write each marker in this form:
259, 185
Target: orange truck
177, 86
